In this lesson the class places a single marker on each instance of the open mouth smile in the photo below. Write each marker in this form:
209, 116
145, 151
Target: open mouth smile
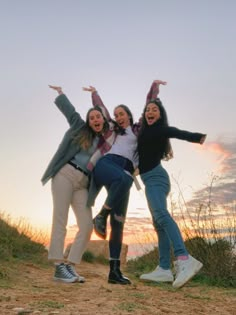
150, 119
97, 126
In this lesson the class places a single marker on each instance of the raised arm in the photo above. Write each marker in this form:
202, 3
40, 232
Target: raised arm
154, 90
97, 101
152, 95
67, 109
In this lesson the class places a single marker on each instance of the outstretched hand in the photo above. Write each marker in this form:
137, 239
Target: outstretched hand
56, 88
202, 140
160, 82
89, 89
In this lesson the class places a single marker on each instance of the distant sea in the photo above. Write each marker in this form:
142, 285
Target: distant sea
137, 250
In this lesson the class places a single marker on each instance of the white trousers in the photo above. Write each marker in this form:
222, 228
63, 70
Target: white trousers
70, 188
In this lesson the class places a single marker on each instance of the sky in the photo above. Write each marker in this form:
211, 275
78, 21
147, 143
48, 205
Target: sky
119, 47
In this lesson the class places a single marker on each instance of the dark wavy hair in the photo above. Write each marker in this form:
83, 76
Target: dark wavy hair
85, 136
163, 120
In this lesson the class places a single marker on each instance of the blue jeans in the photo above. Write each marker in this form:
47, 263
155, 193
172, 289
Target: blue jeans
117, 220
109, 172
157, 188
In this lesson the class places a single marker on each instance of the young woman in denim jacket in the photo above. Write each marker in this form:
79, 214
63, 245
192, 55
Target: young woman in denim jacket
69, 169
115, 171
153, 146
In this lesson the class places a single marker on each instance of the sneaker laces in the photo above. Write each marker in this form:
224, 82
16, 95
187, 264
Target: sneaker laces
177, 267
64, 271
72, 270
180, 265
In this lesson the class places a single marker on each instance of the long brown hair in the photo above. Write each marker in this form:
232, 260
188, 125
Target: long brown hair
84, 137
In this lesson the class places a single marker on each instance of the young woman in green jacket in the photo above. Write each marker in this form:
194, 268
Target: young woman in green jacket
69, 174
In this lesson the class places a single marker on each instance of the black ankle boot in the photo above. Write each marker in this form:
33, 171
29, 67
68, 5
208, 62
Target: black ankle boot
115, 275
100, 223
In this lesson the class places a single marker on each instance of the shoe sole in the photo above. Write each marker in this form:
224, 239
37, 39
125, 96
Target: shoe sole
81, 280
100, 235
103, 236
197, 269
116, 282
65, 280
158, 281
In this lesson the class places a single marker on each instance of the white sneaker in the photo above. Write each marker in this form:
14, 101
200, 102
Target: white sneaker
62, 274
186, 270
158, 275
72, 271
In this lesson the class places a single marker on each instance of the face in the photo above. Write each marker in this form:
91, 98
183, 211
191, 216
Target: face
96, 121
152, 113
121, 117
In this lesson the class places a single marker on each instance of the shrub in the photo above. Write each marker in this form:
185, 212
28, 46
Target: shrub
17, 245
218, 258
91, 258
88, 256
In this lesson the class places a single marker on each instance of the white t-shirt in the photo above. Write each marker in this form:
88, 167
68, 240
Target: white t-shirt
126, 146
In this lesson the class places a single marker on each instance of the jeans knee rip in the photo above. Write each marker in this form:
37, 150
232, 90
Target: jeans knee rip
119, 218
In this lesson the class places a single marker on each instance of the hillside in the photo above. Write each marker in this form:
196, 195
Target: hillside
30, 290
26, 287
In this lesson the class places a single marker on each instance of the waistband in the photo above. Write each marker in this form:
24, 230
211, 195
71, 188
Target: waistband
77, 167
123, 162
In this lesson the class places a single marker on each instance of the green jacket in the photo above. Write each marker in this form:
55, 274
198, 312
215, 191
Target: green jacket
67, 148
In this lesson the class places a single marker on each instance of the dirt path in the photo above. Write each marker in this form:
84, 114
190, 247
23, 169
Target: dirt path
34, 292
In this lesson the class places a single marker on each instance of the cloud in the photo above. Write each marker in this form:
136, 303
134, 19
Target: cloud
225, 153
222, 185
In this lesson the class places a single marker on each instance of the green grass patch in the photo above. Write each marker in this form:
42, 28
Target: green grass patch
48, 304
129, 307
16, 244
